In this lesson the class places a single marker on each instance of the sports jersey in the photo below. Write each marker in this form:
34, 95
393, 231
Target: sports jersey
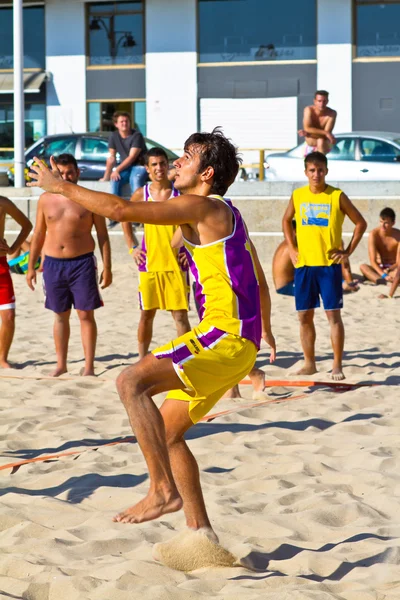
227, 290
156, 242
319, 221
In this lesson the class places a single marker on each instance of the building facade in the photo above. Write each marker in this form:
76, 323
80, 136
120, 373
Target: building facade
182, 65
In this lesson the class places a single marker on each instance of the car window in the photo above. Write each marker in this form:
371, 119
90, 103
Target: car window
343, 149
94, 149
59, 146
378, 151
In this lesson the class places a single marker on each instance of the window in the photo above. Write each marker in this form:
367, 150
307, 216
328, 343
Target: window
378, 151
342, 150
94, 149
34, 53
115, 32
35, 124
65, 144
251, 30
100, 114
378, 31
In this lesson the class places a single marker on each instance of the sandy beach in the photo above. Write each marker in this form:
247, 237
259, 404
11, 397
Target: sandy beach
305, 483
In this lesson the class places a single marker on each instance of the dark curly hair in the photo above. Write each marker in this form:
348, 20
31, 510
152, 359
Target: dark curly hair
216, 151
66, 159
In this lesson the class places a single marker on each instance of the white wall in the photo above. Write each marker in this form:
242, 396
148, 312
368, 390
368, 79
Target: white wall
171, 70
334, 53
65, 60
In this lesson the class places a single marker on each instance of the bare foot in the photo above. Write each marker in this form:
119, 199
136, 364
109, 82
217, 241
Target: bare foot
337, 374
306, 370
232, 393
154, 505
4, 364
257, 378
87, 372
59, 371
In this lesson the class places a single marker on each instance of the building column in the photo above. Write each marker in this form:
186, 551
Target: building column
66, 63
335, 54
171, 70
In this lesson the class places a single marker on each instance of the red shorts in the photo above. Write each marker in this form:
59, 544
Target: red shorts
7, 298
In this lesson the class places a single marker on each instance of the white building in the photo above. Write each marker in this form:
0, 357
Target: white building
182, 65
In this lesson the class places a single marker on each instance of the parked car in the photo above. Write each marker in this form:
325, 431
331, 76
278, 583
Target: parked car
356, 156
89, 149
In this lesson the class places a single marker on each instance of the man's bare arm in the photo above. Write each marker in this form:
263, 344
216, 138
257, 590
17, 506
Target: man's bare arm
105, 249
37, 242
373, 253
265, 304
19, 217
289, 233
330, 124
396, 279
110, 162
129, 160
356, 217
177, 211
129, 234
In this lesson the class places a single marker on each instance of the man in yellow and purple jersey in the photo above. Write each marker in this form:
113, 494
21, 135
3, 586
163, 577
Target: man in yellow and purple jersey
163, 284
319, 210
198, 367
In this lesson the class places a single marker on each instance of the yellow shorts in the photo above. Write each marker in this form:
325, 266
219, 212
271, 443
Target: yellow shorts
166, 290
209, 362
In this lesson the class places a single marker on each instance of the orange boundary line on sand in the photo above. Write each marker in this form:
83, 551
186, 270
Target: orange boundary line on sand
272, 383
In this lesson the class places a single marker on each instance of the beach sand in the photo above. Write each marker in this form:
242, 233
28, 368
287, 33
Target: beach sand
305, 485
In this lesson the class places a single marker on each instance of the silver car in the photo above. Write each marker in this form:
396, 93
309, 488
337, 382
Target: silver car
356, 156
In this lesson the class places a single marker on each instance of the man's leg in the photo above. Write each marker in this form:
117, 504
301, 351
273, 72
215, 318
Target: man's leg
257, 378
323, 145
89, 338
136, 385
6, 335
370, 273
184, 466
61, 333
145, 331
137, 177
337, 339
116, 189
307, 338
181, 321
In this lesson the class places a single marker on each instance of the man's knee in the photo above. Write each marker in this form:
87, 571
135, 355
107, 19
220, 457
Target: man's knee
180, 316
129, 382
306, 317
147, 316
86, 316
334, 316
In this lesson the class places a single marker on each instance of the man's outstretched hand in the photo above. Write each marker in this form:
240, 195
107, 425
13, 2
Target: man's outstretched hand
43, 177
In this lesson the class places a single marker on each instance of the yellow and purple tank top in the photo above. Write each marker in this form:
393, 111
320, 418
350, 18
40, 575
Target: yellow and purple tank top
156, 242
227, 289
319, 221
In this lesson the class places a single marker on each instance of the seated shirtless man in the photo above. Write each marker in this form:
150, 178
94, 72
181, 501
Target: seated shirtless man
318, 124
383, 243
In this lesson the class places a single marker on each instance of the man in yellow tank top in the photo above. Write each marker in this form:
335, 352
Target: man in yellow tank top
319, 210
162, 282
198, 367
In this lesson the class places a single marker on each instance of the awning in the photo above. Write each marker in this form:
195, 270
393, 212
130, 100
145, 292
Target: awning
32, 82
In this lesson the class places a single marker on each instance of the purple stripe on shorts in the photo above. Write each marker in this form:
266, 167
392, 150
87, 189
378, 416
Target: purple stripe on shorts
209, 338
177, 355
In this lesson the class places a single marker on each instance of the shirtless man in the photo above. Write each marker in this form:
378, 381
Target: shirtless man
69, 269
201, 365
395, 278
162, 282
7, 297
318, 124
383, 243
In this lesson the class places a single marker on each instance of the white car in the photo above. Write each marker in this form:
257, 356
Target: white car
356, 156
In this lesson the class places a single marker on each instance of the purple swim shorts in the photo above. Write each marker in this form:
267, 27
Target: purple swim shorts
71, 281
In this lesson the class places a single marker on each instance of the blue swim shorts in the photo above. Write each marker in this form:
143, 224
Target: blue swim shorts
287, 290
313, 282
71, 281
